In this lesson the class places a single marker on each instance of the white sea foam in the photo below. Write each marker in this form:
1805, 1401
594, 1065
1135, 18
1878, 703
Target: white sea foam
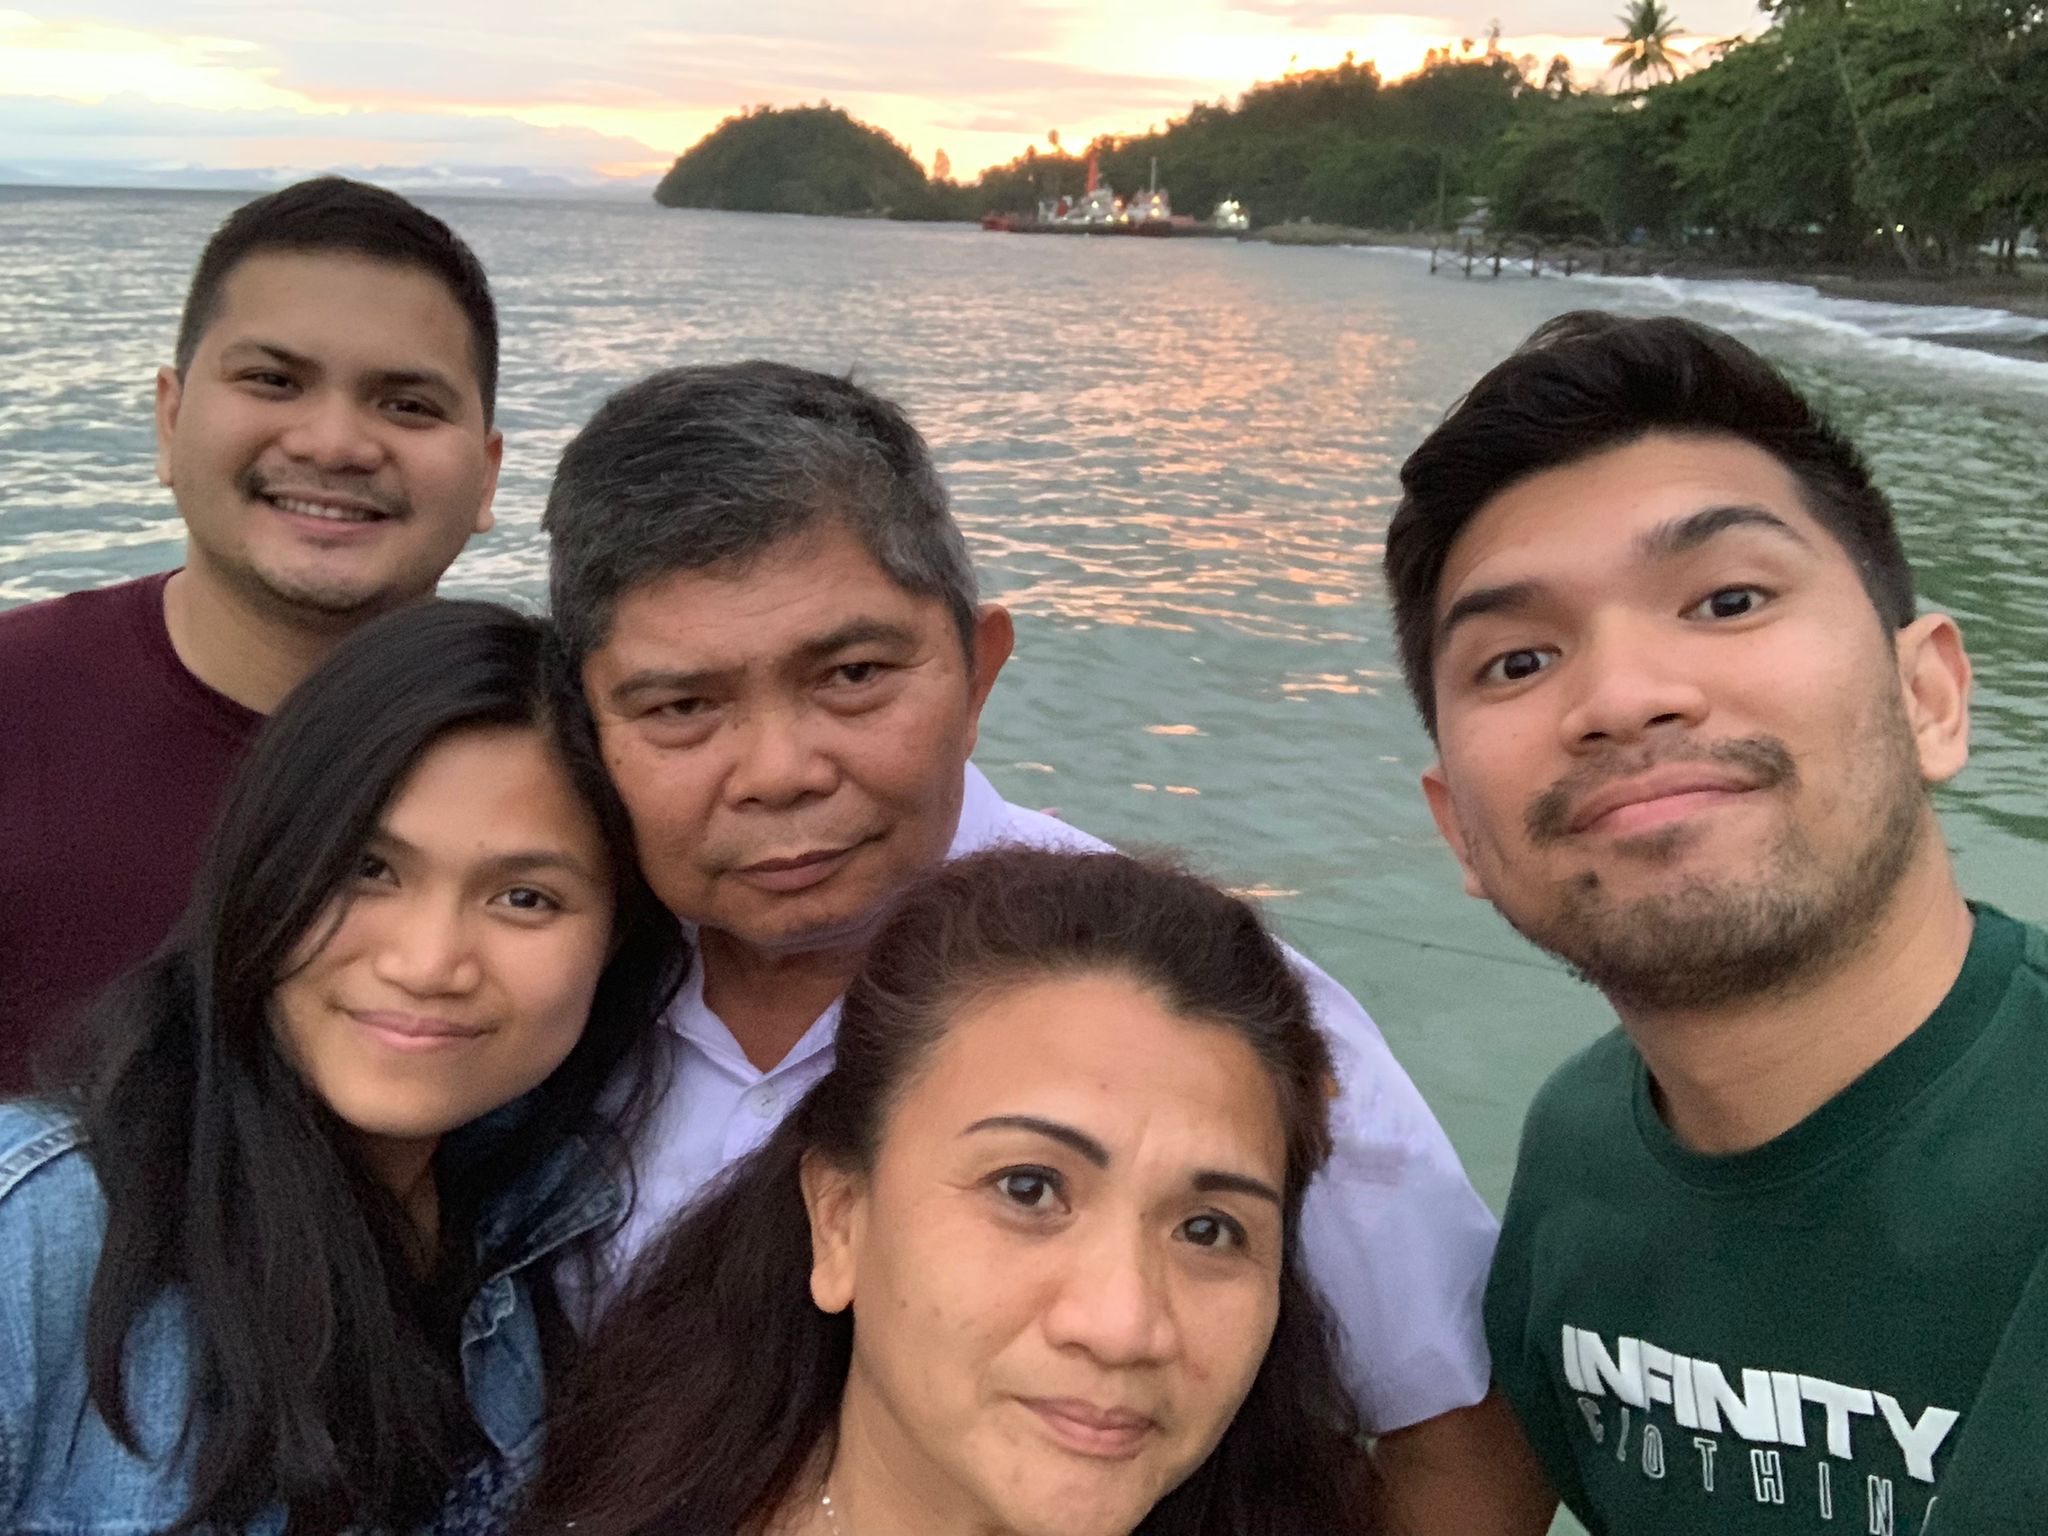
1939, 336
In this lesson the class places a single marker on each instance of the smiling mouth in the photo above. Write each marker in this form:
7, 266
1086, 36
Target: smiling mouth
414, 1032
1625, 799
1649, 812
798, 871
326, 511
1106, 1434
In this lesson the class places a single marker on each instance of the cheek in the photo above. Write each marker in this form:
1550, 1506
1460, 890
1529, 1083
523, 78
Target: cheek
915, 774
548, 987
560, 979
667, 793
453, 479
1227, 1338
933, 1284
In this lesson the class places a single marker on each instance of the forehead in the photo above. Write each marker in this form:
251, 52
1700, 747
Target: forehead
484, 788
1588, 517
815, 583
1099, 1051
343, 306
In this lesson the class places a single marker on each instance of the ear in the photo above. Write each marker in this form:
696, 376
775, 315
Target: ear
1436, 789
833, 1201
995, 636
1934, 684
170, 394
494, 451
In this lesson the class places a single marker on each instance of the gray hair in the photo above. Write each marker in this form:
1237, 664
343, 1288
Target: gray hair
713, 466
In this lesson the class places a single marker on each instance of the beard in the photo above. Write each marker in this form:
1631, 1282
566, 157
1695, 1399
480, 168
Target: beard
1712, 942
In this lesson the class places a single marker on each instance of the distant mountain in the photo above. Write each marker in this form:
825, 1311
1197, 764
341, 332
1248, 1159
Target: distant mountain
412, 180
796, 160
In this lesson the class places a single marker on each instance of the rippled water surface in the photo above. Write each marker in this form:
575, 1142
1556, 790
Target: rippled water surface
1175, 461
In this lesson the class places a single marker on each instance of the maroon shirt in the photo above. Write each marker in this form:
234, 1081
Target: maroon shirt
113, 761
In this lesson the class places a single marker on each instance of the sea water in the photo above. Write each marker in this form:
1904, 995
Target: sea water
1175, 462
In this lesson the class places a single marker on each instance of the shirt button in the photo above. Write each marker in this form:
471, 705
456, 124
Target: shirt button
762, 1100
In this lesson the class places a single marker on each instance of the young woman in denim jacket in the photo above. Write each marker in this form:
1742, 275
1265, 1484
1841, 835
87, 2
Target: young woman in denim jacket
282, 1260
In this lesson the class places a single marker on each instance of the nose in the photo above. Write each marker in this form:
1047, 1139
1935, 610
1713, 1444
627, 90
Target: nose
334, 433
1630, 680
1114, 1301
781, 761
425, 948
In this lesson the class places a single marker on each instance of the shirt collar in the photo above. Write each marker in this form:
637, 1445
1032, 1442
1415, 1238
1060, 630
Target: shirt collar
982, 811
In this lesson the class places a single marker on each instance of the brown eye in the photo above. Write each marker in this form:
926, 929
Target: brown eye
1516, 666
1731, 603
1032, 1189
525, 898
1212, 1231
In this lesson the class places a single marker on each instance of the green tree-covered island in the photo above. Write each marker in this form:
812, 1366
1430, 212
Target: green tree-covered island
1903, 133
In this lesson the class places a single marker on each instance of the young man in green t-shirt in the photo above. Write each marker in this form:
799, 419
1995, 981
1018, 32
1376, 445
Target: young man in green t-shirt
1771, 1253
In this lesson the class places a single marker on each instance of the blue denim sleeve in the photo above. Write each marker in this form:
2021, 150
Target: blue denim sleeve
52, 1220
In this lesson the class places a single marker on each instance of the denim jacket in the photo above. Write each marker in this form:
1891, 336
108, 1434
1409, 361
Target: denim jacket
62, 1473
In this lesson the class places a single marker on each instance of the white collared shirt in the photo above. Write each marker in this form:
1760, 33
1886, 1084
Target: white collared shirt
1396, 1237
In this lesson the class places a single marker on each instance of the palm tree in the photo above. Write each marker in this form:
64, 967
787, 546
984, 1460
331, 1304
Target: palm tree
1644, 49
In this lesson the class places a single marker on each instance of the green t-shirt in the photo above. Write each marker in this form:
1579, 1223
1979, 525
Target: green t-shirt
1794, 1338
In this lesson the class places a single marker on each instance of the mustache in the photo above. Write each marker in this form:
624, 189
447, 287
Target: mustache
1764, 760
254, 482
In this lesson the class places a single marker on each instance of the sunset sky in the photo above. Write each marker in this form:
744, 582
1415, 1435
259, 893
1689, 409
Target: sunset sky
616, 88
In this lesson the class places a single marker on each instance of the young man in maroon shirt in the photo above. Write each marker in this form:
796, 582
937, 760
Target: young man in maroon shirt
326, 431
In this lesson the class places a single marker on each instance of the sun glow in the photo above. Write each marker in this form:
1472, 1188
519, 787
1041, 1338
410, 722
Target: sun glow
91, 63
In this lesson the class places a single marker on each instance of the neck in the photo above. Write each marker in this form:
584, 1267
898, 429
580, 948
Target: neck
769, 998
253, 655
406, 1168
1732, 1078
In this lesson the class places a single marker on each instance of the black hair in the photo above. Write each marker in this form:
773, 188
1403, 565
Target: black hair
692, 468
711, 1386
332, 213
1589, 381
324, 1373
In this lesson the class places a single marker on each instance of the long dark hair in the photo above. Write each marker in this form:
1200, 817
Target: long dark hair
324, 1370
711, 1386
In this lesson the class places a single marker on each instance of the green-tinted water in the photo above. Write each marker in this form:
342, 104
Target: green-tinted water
1175, 461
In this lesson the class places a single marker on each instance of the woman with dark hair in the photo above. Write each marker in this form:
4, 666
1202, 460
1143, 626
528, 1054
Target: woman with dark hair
1026, 1262
281, 1260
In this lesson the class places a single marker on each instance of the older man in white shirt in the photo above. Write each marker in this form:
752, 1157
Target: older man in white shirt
755, 568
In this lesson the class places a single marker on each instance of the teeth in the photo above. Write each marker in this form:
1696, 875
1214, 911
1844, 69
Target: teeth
321, 509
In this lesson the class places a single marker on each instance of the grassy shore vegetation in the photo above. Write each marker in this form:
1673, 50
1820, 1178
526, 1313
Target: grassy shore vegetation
1899, 133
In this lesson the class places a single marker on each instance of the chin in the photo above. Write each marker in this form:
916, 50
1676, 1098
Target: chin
1050, 1515
1087, 1500
835, 926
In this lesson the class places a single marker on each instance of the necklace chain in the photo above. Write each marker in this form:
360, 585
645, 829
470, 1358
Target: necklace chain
831, 1513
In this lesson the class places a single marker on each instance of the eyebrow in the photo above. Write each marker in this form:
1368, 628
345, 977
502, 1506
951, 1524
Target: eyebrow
1666, 541
1216, 1182
514, 861
389, 378
1209, 1181
1682, 535
1051, 1130
854, 632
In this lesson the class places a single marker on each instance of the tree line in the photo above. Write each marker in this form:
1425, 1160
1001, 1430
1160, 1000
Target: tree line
1906, 131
